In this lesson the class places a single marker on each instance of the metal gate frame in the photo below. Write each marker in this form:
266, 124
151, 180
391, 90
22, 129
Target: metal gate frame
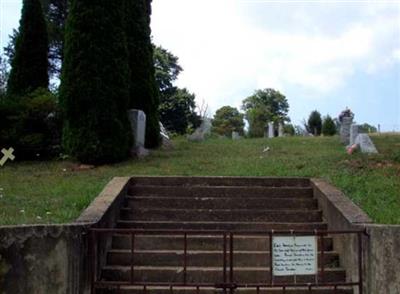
228, 282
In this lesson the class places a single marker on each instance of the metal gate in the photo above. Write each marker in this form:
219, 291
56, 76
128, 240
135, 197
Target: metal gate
228, 282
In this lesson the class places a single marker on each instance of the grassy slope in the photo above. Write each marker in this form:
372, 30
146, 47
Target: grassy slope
51, 191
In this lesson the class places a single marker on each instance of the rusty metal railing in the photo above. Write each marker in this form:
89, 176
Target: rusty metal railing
228, 282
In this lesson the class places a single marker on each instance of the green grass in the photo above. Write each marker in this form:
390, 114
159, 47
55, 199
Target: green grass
53, 192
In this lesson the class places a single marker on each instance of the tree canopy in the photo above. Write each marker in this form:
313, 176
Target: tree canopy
143, 92
167, 68
94, 88
314, 123
328, 126
265, 106
226, 120
29, 64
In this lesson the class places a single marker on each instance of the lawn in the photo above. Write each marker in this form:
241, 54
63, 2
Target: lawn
33, 192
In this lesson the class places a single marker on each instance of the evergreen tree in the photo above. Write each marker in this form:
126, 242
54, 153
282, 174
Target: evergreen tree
314, 124
30, 64
95, 88
328, 126
143, 88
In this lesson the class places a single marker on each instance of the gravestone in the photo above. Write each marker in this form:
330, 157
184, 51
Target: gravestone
271, 130
354, 130
200, 132
137, 119
345, 130
365, 144
280, 130
235, 135
166, 141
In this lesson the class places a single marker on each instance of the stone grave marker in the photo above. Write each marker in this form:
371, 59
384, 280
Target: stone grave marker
137, 118
271, 130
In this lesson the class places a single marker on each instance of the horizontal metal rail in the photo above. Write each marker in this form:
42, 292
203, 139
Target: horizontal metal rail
228, 282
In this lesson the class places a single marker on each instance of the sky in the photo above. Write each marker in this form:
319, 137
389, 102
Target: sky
323, 55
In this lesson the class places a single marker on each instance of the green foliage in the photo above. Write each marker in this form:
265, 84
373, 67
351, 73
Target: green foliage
29, 64
143, 88
367, 128
31, 125
226, 120
262, 107
166, 67
94, 87
314, 123
177, 110
289, 129
328, 126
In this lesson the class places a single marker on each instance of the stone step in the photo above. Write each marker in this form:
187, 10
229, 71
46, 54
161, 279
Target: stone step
224, 226
202, 258
208, 290
256, 215
221, 202
208, 274
199, 242
222, 191
220, 181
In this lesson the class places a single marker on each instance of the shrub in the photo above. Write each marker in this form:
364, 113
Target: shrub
314, 123
32, 126
328, 126
94, 84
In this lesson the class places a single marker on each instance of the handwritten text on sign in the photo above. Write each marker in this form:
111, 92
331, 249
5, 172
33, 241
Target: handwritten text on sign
294, 256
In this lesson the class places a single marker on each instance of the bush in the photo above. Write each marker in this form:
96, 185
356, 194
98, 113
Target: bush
314, 124
288, 129
328, 126
94, 84
31, 126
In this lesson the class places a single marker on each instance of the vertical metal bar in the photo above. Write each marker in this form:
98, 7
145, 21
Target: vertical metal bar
184, 257
144, 289
224, 261
335, 289
197, 290
309, 288
258, 289
231, 257
284, 289
322, 258
360, 263
271, 266
171, 290
132, 256
93, 240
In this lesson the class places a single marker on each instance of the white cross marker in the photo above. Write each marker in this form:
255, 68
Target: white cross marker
8, 154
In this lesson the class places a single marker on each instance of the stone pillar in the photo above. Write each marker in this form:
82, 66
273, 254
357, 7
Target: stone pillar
354, 129
270, 130
137, 118
235, 135
345, 130
280, 130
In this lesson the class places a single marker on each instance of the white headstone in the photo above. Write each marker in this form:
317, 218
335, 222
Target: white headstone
280, 130
271, 130
354, 129
235, 135
365, 143
137, 119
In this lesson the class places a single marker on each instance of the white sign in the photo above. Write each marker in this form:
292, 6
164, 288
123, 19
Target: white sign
294, 256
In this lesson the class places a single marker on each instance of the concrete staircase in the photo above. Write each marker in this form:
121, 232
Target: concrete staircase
217, 203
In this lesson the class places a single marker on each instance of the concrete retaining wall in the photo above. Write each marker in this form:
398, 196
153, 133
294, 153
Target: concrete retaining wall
380, 243
53, 258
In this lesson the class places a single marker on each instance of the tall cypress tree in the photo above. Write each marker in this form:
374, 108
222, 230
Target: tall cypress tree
30, 64
94, 86
143, 88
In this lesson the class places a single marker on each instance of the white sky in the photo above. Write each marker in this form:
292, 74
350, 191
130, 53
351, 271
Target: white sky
323, 55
